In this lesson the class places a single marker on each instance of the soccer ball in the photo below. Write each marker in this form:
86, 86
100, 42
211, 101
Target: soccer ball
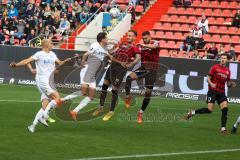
114, 12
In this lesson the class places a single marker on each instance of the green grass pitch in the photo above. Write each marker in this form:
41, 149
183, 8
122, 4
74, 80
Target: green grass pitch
164, 131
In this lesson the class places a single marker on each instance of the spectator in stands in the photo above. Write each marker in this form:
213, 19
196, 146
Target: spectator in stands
2, 38
83, 16
185, 3
212, 52
203, 24
27, 31
196, 32
64, 26
195, 54
188, 44
31, 35
131, 10
13, 12
20, 27
220, 52
232, 53
236, 19
76, 9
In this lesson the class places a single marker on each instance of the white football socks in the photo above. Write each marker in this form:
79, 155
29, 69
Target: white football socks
237, 122
38, 116
50, 106
82, 104
72, 96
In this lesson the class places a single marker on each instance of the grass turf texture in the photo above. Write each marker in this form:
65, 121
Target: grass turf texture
69, 140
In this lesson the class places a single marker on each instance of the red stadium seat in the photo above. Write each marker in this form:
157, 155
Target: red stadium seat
189, 11
232, 30
215, 38
227, 47
237, 48
233, 4
167, 26
224, 4
234, 12
226, 38
171, 44
183, 19
169, 35
198, 11
235, 39
192, 19
165, 18
180, 10
217, 12
172, 10
219, 20
162, 43
196, 3
178, 35
159, 34
208, 12
211, 20
207, 37
222, 29
228, 20
163, 52
226, 13
139, 9
184, 27
157, 26
213, 29
205, 4
214, 4
173, 18
176, 26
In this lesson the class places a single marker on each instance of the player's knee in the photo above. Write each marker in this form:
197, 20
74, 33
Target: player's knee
58, 102
225, 110
104, 87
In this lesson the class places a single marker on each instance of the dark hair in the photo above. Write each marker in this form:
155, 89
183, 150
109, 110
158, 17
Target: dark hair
145, 33
225, 54
134, 32
101, 36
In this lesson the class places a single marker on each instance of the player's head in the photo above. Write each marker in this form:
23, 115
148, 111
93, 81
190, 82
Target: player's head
47, 44
146, 36
131, 36
224, 59
102, 38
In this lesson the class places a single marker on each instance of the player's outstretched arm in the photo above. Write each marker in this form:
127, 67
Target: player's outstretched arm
22, 63
60, 63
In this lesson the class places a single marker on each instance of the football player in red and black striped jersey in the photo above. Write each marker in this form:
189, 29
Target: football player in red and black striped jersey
128, 55
149, 50
218, 77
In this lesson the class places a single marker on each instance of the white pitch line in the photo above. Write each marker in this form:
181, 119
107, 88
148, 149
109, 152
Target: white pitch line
161, 154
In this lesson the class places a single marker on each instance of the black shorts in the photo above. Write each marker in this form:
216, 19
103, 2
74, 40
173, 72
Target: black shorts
213, 96
115, 74
149, 75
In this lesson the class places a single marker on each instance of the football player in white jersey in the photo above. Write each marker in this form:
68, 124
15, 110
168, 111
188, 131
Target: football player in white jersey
94, 58
44, 99
45, 66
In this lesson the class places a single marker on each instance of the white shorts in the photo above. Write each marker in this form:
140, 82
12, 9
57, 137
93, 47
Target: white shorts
82, 74
45, 89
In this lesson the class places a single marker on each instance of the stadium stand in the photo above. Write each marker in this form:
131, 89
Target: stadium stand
174, 26
23, 20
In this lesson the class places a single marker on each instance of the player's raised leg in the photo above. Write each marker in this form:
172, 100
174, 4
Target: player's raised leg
87, 91
128, 99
